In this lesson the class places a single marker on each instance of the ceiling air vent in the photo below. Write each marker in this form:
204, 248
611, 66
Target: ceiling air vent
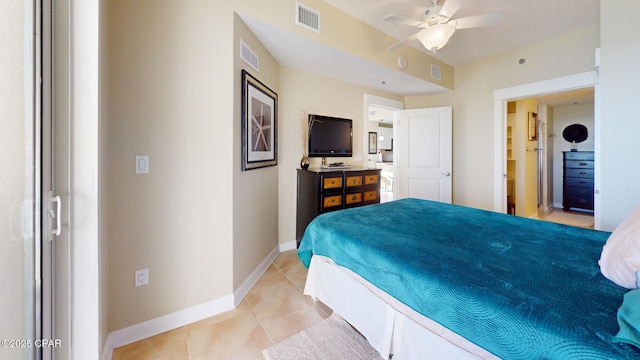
248, 55
307, 17
435, 72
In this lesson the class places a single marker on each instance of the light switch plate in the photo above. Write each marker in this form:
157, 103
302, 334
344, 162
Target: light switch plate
142, 164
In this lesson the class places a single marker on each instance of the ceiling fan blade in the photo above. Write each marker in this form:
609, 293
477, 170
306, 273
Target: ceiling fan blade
403, 20
479, 21
404, 41
450, 7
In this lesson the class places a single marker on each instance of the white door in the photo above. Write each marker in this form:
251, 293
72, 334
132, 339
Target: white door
423, 153
55, 181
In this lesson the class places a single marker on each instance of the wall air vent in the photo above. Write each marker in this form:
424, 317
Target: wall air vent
435, 72
248, 55
307, 17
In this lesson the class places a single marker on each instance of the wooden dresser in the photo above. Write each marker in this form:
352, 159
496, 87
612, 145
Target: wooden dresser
577, 184
324, 190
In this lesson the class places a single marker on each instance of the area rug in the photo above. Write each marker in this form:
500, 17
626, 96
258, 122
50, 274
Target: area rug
331, 338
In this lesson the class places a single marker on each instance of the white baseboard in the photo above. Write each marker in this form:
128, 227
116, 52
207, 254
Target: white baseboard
253, 278
290, 245
187, 316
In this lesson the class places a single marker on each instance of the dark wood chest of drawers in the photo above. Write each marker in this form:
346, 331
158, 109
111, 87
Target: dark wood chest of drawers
577, 184
324, 190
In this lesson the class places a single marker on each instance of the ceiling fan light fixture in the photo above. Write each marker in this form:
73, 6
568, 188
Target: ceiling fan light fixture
436, 36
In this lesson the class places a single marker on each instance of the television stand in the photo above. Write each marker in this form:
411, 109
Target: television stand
321, 190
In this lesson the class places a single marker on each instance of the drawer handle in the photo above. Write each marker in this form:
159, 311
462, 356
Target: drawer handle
353, 198
583, 164
582, 173
583, 182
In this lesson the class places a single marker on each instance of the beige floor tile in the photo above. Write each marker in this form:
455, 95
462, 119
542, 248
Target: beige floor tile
238, 337
171, 345
297, 274
242, 307
277, 301
289, 325
270, 277
287, 259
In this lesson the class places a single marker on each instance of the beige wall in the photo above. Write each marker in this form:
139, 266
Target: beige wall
620, 54
328, 97
255, 195
526, 168
15, 140
170, 97
472, 101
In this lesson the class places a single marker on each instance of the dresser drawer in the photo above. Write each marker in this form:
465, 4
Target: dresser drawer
353, 180
331, 182
578, 164
581, 182
371, 196
581, 192
353, 198
579, 173
579, 155
371, 179
330, 202
579, 202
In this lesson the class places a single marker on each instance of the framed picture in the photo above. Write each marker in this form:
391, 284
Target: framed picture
373, 142
259, 124
532, 126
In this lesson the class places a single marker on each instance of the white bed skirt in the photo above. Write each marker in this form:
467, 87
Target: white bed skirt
390, 326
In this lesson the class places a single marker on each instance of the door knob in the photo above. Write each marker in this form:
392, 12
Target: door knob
447, 174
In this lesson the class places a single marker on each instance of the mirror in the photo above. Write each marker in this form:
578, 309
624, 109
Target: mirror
575, 133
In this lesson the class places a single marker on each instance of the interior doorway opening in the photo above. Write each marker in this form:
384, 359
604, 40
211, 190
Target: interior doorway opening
557, 103
379, 114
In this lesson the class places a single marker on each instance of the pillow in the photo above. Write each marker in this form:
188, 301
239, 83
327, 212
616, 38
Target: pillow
620, 258
629, 319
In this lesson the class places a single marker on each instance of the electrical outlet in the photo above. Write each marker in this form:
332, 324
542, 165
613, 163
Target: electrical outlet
142, 277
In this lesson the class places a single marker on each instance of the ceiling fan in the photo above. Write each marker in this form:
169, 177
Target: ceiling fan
437, 26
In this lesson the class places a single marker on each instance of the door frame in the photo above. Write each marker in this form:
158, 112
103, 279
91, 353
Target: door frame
583, 80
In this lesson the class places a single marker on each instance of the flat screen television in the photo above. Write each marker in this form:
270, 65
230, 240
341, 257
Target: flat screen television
330, 136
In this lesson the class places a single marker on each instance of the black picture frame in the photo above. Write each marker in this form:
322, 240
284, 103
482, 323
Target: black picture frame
259, 124
373, 142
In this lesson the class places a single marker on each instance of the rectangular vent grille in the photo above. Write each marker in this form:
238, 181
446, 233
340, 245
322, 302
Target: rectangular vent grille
248, 55
435, 72
307, 17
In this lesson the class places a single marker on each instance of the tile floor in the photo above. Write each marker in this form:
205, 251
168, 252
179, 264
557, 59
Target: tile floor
274, 309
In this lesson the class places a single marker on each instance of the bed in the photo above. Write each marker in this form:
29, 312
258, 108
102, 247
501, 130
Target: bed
422, 279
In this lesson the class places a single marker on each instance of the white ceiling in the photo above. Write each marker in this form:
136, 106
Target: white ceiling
524, 22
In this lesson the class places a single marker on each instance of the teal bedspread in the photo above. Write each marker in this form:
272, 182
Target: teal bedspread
519, 288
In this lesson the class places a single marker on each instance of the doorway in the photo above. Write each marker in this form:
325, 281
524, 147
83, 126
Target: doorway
556, 103
379, 115
380, 153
